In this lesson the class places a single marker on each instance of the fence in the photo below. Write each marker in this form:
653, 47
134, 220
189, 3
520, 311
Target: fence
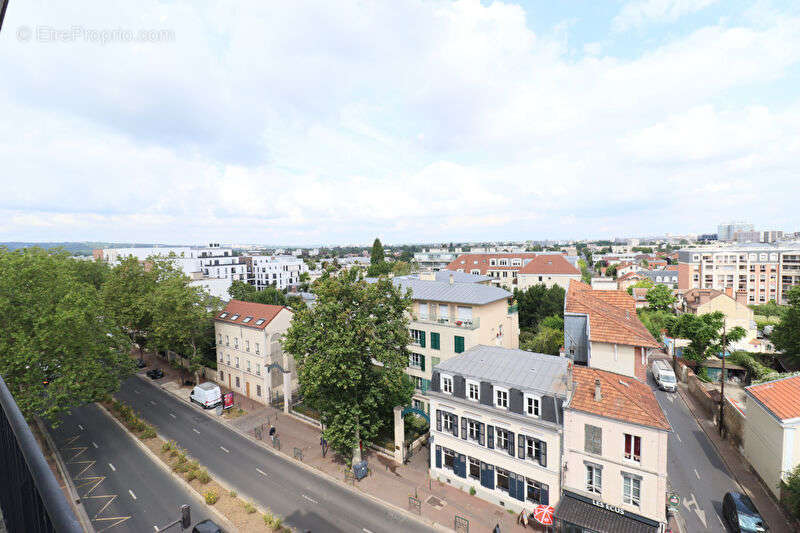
30, 496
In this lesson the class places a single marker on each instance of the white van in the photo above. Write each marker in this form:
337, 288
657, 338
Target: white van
664, 375
206, 394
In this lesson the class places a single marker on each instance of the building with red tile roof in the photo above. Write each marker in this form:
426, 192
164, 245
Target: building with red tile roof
549, 270
504, 267
772, 429
602, 330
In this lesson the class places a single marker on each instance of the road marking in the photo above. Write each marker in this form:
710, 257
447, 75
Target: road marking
678, 437
156, 528
365, 530
720, 521
224, 449
312, 500
262, 472
95, 445
132, 494
195, 431
112, 467
173, 416
136, 391
696, 473
81, 427
154, 403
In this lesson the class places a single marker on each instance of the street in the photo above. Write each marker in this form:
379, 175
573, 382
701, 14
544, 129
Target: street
305, 500
119, 485
694, 468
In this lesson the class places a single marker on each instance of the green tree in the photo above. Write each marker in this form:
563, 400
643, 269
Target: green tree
537, 303
655, 321
126, 295
704, 333
59, 347
295, 302
611, 271
786, 335
547, 341
401, 268
377, 256
351, 353
379, 269
239, 290
660, 298
645, 283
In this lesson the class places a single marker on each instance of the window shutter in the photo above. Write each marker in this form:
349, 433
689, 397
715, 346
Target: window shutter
511, 442
438, 455
459, 387
462, 470
545, 495
459, 344
422, 362
490, 436
543, 456
422, 339
512, 485
521, 448
481, 433
515, 401
438, 420
435, 382
521, 488
464, 428
490, 476
434, 340
455, 425
486, 393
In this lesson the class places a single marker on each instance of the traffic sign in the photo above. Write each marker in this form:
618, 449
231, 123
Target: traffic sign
674, 500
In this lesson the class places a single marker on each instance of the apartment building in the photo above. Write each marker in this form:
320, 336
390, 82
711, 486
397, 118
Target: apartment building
434, 259
728, 230
602, 330
503, 268
496, 425
248, 339
764, 271
733, 306
549, 270
615, 456
450, 317
279, 271
212, 261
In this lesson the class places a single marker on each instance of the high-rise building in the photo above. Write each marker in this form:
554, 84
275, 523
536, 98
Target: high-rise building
727, 231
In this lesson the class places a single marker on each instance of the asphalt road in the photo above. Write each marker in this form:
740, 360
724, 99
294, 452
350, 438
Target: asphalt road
305, 500
694, 468
120, 486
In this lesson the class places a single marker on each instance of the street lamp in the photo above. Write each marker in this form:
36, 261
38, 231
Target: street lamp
722, 380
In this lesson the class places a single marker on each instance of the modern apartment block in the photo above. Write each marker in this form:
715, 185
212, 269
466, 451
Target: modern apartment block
213, 261
248, 342
279, 271
497, 425
615, 456
450, 317
764, 271
727, 231
505, 268
434, 259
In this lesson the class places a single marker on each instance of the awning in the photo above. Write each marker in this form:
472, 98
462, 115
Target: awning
597, 518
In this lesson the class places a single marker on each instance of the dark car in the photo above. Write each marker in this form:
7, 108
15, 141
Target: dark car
741, 515
206, 526
155, 373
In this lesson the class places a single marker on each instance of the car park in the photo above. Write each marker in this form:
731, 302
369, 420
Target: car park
207, 394
741, 515
664, 376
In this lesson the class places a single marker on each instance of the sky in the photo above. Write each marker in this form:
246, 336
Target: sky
318, 122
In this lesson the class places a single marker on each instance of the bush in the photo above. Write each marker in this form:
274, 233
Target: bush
211, 496
194, 465
249, 508
272, 521
167, 446
758, 371
702, 374
181, 458
191, 474
472, 491
148, 433
203, 477
233, 493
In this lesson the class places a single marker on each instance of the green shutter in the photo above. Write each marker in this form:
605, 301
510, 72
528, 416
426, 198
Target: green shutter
434, 340
422, 362
459, 344
434, 362
422, 339
426, 385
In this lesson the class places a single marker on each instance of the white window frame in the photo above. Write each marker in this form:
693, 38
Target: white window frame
630, 499
447, 422
470, 383
597, 474
476, 426
497, 391
446, 380
414, 360
537, 402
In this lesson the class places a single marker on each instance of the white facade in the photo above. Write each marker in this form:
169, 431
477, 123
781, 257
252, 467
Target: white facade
280, 271
217, 287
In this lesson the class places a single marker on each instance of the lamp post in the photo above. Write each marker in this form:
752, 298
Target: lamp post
722, 380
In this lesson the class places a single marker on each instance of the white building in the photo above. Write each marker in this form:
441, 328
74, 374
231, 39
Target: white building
279, 271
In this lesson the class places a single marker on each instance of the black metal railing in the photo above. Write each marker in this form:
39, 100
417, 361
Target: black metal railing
30, 496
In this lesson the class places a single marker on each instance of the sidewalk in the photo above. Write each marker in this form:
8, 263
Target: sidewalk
777, 520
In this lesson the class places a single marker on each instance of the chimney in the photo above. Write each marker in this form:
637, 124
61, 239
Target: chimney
598, 395
729, 291
451, 279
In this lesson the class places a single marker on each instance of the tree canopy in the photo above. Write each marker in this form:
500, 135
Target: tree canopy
240, 290
704, 333
660, 298
351, 353
377, 255
538, 302
786, 335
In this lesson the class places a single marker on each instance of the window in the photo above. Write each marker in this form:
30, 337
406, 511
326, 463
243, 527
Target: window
248, 365
417, 382
631, 489
474, 430
247, 319
235, 317
237, 382
423, 311
473, 391
237, 362
502, 479
258, 369
227, 341
535, 449
220, 357
222, 376
464, 313
502, 438
236, 342
474, 468
220, 338
229, 359
594, 479
418, 337
447, 384
415, 360
449, 458
532, 406
258, 390
593, 442
258, 349
458, 344
444, 311
500, 398
247, 346
633, 448
535, 490
448, 420
259, 321
223, 315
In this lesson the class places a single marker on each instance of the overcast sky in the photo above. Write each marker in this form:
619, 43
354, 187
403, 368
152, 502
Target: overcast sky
333, 122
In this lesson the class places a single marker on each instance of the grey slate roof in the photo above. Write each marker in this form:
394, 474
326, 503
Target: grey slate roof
511, 368
666, 275
458, 277
457, 293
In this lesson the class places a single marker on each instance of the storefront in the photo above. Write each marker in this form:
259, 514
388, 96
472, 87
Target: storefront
579, 514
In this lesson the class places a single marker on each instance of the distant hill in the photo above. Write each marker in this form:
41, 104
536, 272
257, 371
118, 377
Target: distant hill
75, 248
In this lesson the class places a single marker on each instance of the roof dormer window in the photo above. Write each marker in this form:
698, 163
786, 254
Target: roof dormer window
235, 317
247, 319
259, 321
223, 315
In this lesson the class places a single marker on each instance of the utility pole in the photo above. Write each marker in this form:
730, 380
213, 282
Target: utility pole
722, 380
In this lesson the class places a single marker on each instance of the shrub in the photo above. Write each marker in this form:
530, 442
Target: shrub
194, 465
181, 467
191, 474
277, 522
211, 496
174, 451
167, 446
233, 493
249, 508
148, 433
472, 491
203, 477
702, 374
272, 521
181, 458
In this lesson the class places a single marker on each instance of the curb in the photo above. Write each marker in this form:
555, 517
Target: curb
227, 523
418, 518
83, 516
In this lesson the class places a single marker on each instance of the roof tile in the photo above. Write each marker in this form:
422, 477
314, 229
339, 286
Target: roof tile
781, 397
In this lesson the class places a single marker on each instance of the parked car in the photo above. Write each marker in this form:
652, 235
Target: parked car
206, 526
155, 373
664, 376
207, 395
741, 515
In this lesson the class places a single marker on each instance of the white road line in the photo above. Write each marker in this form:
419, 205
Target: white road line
95, 445
132, 494
136, 391
312, 500
112, 467
720, 521
678, 437
156, 528
80, 426
261, 472
365, 530
224, 449
154, 403
696, 473
195, 431
173, 416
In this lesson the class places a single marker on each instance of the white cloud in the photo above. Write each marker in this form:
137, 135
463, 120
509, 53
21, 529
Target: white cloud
637, 13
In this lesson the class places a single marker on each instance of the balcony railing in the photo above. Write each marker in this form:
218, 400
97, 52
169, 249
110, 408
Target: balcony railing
463, 323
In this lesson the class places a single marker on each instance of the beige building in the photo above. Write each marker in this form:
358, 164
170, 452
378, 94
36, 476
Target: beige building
249, 341
496, 425
547, 270
503, 268
450, 317
615, 455
772, 429
736, 311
